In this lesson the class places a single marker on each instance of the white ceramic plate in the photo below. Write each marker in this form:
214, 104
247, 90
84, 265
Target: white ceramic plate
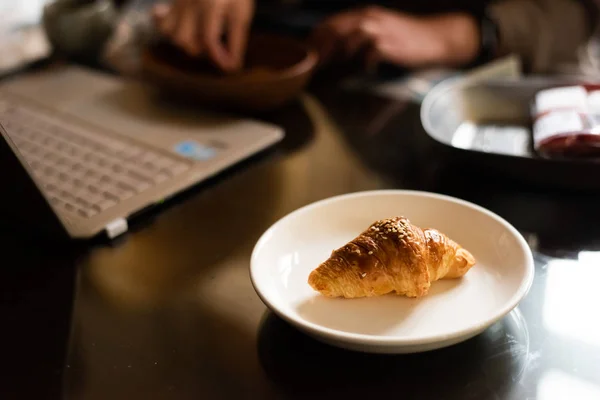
453, 311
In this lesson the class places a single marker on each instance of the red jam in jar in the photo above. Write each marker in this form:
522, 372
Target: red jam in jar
566, 121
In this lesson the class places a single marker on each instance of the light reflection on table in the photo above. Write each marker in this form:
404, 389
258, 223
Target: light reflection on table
569, 284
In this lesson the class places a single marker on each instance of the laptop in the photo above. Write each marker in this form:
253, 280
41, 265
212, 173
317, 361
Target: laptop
82, 151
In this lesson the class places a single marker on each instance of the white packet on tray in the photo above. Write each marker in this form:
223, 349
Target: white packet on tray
566, 121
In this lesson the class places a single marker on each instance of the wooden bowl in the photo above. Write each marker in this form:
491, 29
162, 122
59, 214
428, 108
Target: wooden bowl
276, 69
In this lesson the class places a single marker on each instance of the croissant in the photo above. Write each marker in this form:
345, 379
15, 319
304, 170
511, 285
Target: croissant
392, 255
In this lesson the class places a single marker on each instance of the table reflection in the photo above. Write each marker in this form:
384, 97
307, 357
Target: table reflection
490, 365
558, 385
569, 285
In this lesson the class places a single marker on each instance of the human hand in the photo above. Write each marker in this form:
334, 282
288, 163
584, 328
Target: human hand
384, 35
198, 27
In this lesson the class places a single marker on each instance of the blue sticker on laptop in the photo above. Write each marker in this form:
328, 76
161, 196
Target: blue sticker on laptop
195, 150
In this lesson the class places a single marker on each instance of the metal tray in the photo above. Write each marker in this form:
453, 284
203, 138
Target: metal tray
487, 123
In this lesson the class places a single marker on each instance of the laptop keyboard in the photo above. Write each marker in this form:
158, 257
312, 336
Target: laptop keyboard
83, 172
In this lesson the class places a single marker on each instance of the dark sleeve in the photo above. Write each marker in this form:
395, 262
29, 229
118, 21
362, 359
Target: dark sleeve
545, 33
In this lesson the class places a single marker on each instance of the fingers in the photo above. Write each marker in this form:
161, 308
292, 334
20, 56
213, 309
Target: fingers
371, 35
160, 11
347, 34
214, 25
373, 58
179, 23
330, 35
198, 26
186, 35
238, 27
356, 41
363, 36
324, 39
165, 17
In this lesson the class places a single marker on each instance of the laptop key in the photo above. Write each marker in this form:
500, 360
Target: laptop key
92, 175
163, 162
50, 187
176, 168
65, 195
129, 152
161, 177
51, 158
62, 162
87, 213
78, 183
35, 165
68, 187
140, 175
124, 194
147, 157
89, 196
110, 195
79, 174
79, 200
113, 145
128, 183
74, 152
93, 189
69, 207
121, 193
63, 176
104, 205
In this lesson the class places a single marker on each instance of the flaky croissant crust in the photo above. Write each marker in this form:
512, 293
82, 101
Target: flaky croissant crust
392, 255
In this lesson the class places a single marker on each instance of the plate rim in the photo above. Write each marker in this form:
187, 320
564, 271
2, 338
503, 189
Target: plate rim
388, 340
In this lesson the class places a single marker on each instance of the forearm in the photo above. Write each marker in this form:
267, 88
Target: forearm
460, 40
544, 33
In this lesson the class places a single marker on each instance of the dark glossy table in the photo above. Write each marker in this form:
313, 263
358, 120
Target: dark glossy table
168, 312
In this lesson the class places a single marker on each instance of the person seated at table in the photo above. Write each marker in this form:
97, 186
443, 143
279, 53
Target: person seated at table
408, 34
544, 33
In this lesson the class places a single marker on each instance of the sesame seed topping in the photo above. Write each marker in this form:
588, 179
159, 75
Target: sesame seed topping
399, 227
370, 252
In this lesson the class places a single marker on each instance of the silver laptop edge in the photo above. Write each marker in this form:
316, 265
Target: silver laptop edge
125, 116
